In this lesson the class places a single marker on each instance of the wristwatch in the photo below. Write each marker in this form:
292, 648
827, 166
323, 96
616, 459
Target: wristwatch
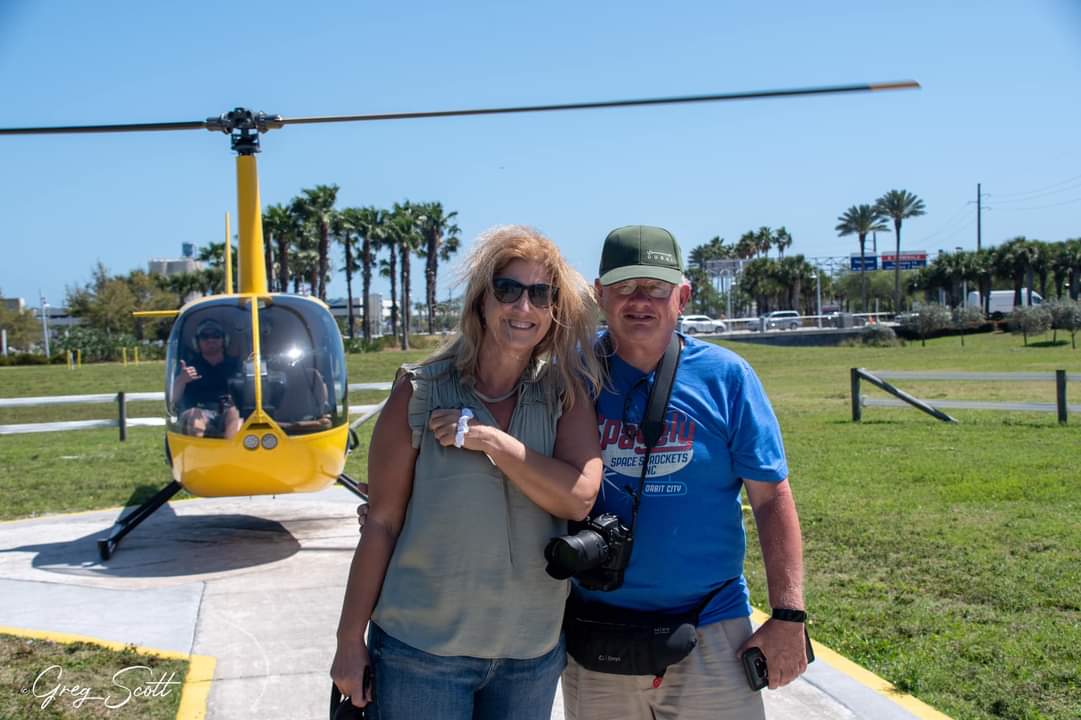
789, 615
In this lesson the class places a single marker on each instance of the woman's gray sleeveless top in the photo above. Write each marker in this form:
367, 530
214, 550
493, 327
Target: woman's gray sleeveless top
467, 573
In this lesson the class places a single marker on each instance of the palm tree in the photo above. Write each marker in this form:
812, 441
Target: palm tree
763, 240
1032, 253
343, 227
305, 251
746, 247
1060, 267
861, 220
186, 286
1072, 254
213, 254
899, 205
1041, 260
440, 238
792, 272
368, 224
715, 249
782, 240
764, 280
403, 233
704, 298
954, 269
316, 206
388, 268
983, 267
1011, 261
280, 224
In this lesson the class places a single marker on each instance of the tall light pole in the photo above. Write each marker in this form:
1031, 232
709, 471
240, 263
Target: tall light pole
45, 326
818, 297
979, 218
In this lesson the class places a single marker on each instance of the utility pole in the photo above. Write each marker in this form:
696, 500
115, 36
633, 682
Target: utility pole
979, 210
818, 298
45, 325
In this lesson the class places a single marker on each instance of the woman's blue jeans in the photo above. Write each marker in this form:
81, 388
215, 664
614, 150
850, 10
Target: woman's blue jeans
412, 684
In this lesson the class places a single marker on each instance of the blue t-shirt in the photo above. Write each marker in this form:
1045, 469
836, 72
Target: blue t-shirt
690, 538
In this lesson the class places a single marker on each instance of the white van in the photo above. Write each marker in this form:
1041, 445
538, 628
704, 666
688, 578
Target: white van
1002, 301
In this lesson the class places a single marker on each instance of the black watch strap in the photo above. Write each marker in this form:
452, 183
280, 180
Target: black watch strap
789, 615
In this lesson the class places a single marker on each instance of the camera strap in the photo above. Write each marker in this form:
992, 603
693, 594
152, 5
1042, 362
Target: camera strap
656, 406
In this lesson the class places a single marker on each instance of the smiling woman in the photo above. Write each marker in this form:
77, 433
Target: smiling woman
479, 457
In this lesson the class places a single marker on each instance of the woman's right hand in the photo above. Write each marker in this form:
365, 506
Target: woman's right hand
347, 671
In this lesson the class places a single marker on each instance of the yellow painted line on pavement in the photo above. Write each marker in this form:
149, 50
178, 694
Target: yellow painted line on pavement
865, 677
193, 693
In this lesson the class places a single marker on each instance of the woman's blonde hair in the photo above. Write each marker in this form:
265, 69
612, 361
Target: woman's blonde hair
565, 354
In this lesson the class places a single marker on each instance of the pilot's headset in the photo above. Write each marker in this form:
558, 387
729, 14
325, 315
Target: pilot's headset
209, 326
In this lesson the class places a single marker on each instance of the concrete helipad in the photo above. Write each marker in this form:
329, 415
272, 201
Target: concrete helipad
257, 584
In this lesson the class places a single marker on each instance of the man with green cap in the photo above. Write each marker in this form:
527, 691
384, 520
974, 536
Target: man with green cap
719, 436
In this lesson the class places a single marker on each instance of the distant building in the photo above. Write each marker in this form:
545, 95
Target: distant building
59, 317
175, 266
339, 308
13, 304
172, 266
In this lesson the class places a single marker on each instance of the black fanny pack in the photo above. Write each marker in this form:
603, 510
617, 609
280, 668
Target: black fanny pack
618, 641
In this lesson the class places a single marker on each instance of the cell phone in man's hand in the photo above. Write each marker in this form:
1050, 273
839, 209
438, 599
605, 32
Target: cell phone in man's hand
756, 669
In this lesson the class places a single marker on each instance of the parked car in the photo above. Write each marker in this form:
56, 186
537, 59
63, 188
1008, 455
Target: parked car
1001, 303
691, 324
782, 320
843, 320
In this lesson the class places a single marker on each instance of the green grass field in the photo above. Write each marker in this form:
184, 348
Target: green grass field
945, 558
28, 688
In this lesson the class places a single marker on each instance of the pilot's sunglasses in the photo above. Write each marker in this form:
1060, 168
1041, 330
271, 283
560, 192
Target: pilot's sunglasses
656, 289
507, 291
211, 336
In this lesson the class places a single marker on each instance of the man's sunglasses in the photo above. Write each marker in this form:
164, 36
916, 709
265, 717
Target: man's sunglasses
210, 336
508, 291
657, 289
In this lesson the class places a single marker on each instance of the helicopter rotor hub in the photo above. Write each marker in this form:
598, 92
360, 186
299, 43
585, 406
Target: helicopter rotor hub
244, 126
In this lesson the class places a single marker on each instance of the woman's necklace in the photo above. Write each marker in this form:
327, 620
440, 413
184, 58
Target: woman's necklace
500, 398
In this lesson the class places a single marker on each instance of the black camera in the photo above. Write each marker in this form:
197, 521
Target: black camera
595, 551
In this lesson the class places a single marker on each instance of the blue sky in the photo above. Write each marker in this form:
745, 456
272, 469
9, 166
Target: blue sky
999, 106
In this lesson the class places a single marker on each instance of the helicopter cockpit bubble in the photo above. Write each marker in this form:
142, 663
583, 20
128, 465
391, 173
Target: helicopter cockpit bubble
304, 389
203, 361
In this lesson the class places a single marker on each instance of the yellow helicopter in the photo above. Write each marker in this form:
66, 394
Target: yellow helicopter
255, 381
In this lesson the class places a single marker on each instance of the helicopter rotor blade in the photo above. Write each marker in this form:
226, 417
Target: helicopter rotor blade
128, 127
679, 100
273, 121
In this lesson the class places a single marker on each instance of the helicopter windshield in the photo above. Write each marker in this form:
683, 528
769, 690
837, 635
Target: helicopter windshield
304, 385
211, 376
204, 368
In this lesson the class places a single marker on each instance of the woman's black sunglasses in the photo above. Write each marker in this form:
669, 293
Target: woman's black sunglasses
508, 291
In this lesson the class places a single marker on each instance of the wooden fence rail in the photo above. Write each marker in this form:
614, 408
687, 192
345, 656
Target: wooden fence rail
122, 421
878, 378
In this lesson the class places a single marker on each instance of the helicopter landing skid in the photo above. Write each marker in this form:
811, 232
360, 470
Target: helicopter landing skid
128, 522
352, 486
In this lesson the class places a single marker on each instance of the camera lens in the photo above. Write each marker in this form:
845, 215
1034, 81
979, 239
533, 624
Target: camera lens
571, 554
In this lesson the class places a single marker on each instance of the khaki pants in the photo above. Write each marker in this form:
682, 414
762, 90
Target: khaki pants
708, 684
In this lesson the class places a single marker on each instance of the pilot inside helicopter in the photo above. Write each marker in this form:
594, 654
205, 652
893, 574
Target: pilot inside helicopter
206, 406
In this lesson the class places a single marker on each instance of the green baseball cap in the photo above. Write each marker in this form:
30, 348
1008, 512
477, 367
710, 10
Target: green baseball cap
641, 251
